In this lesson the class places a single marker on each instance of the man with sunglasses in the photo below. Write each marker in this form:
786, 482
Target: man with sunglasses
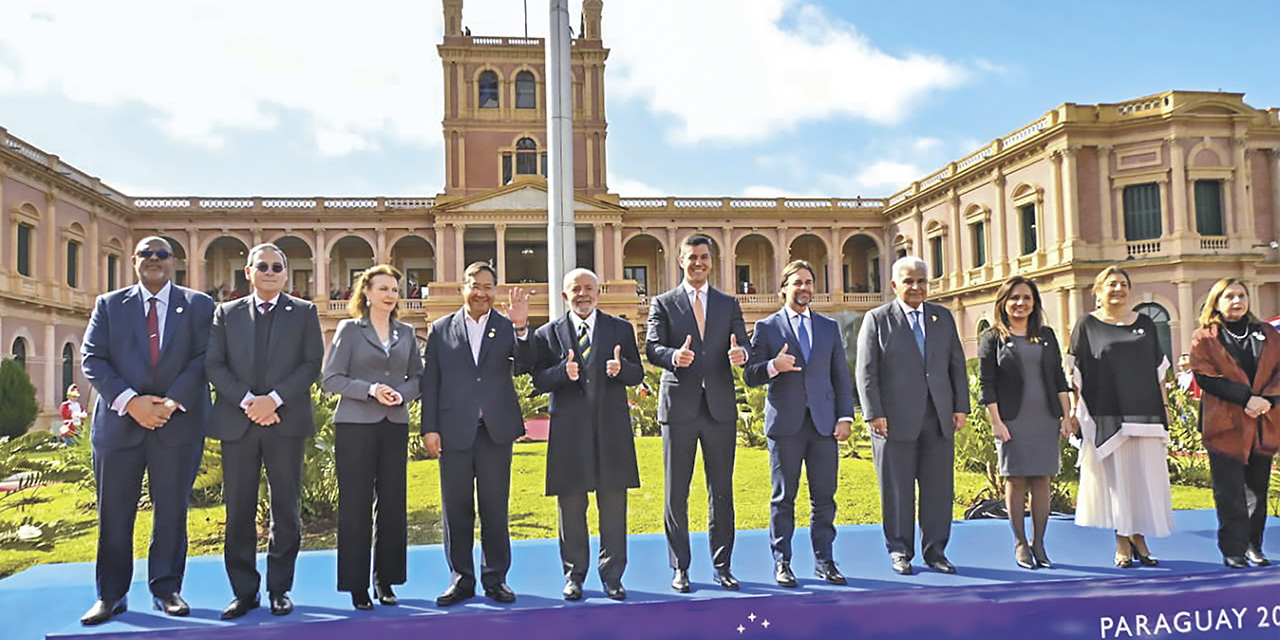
144, 352
265, 350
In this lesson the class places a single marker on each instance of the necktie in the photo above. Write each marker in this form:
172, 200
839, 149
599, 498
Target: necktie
264, 308
153, 330
803, 335
699, 315
261, 346
584, 341
918, 329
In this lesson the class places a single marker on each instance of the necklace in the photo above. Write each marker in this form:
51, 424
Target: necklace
1233, 335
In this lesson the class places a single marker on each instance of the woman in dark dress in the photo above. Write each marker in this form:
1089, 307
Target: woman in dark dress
1236, 360
1026, 395
1120, 409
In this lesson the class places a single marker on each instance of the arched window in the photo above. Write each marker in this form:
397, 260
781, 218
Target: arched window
526, 157
20, 352
488, 90
1160, 316
68, 365
526, 91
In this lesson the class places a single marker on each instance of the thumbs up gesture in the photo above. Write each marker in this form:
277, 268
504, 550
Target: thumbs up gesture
784, 361
571, 366
684, 355
737, 355
614, 366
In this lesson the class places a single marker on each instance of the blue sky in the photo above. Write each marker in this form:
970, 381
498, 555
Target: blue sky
705, 97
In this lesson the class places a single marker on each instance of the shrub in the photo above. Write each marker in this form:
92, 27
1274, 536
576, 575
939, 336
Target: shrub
1188, 463
750, 411
643, 400
33, 459
18, 408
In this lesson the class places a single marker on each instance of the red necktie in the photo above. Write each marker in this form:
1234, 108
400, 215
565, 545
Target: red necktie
153, 329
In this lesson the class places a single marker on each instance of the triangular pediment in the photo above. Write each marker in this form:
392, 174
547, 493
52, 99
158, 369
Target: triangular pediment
526, 197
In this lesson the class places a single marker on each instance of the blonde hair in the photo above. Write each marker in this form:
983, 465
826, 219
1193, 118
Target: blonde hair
1102, 276
1209, 313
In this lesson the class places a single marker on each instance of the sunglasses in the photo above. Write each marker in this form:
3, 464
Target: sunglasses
275, 267
146, 254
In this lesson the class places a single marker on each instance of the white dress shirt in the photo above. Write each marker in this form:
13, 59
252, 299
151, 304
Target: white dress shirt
257, 307
911, 318
162, 310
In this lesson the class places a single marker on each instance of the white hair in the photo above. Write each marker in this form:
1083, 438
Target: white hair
573, 275
910, 262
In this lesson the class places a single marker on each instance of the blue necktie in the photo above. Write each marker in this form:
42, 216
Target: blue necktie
918, 329
803, 335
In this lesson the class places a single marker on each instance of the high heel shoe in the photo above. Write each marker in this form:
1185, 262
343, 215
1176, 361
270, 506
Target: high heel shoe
1145, 560
360, 600
1022, 554
1124, 562
1042, 558
385, 595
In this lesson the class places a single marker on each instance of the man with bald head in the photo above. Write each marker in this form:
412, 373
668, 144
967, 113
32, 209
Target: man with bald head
586, 360
144, 353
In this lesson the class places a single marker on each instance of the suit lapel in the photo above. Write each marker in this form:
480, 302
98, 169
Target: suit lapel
929, 316
783, 321
817, 335
137, 318
488, 335
686, 312
284, 316
174, 317
567, 338
458, 326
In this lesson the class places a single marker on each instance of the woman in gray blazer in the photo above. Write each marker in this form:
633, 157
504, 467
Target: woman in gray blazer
374, 365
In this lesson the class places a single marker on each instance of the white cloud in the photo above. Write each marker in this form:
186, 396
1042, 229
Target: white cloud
628, 188
884, 176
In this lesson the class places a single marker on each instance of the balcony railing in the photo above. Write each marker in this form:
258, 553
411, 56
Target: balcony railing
1143, 247
1213, 243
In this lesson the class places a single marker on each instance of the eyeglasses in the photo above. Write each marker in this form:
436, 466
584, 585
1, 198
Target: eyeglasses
146, 254
275, 267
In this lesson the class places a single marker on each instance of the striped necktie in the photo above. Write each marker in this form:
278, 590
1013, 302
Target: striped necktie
584, 341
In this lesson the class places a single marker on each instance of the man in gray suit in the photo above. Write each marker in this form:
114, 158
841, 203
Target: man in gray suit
696, 333
915, 395
264, 353
470, 417
586, 360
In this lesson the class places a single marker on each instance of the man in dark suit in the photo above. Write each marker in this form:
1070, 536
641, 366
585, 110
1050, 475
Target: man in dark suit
144, 353
696, 333
263, 416
809, 408
586, 360
470, 417
915, 395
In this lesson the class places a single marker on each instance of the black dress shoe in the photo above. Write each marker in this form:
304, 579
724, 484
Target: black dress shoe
281, 605
453, 595
1255, 555
1235, 562
102, 610
902, 565
783, 574
1146, 561
500, 593
386, 597
941, 565
572, 590
171, 605
680, 580
827, 570
239, 607
615, 591
361, 601
725, 578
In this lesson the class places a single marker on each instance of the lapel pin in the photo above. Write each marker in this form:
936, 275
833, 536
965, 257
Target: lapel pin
1139, 331
289, 308
933, 318
1257, 335
492, 333
178, 310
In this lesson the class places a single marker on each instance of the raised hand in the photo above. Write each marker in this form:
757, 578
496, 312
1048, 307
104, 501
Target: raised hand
518, 306
614, 367
571, 366
737, 355
684, 355
784, 361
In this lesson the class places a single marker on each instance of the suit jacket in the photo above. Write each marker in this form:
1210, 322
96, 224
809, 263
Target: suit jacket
292, 363
357, 360
670, 321
116, 356
455, 389
894, 381
823, 385
591, 445
1002, 376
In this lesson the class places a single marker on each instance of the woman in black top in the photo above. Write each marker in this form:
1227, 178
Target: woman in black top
1236, 360
1026, 395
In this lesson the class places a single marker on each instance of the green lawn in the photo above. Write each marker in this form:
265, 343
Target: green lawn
533, 515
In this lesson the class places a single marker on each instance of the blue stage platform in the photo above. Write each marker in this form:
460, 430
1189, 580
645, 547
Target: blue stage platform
1190, 595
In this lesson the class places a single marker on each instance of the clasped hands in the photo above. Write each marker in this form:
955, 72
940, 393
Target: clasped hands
150, 412
685, 354
386, 395
1257, 406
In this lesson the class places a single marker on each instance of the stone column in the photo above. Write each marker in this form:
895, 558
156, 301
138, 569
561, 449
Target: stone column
597, 249
1069, 214
51, 236
728, 281
1275, 193
1064, 316
1001, 222
615, 232
957, 271
93, 257
51, 360
1106, 213
835, 264
320, 267
500, 257
381, 255
1186, 316
257, 236
1178, 186
1244, 204
674, 273
459, 256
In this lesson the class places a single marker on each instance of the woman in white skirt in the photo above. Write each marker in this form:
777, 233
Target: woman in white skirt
1117, 366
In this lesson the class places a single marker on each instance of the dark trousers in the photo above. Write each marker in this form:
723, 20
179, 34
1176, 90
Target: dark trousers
481, 474
820, 456
902, 464
242, 464
118, 472
679, 447
372, 499
575, 540
1240, 495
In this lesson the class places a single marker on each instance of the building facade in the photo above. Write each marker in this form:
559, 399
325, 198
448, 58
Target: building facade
1183, 188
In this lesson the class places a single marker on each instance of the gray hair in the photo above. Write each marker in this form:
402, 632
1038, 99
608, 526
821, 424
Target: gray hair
266, 246
910, 262
573, 275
